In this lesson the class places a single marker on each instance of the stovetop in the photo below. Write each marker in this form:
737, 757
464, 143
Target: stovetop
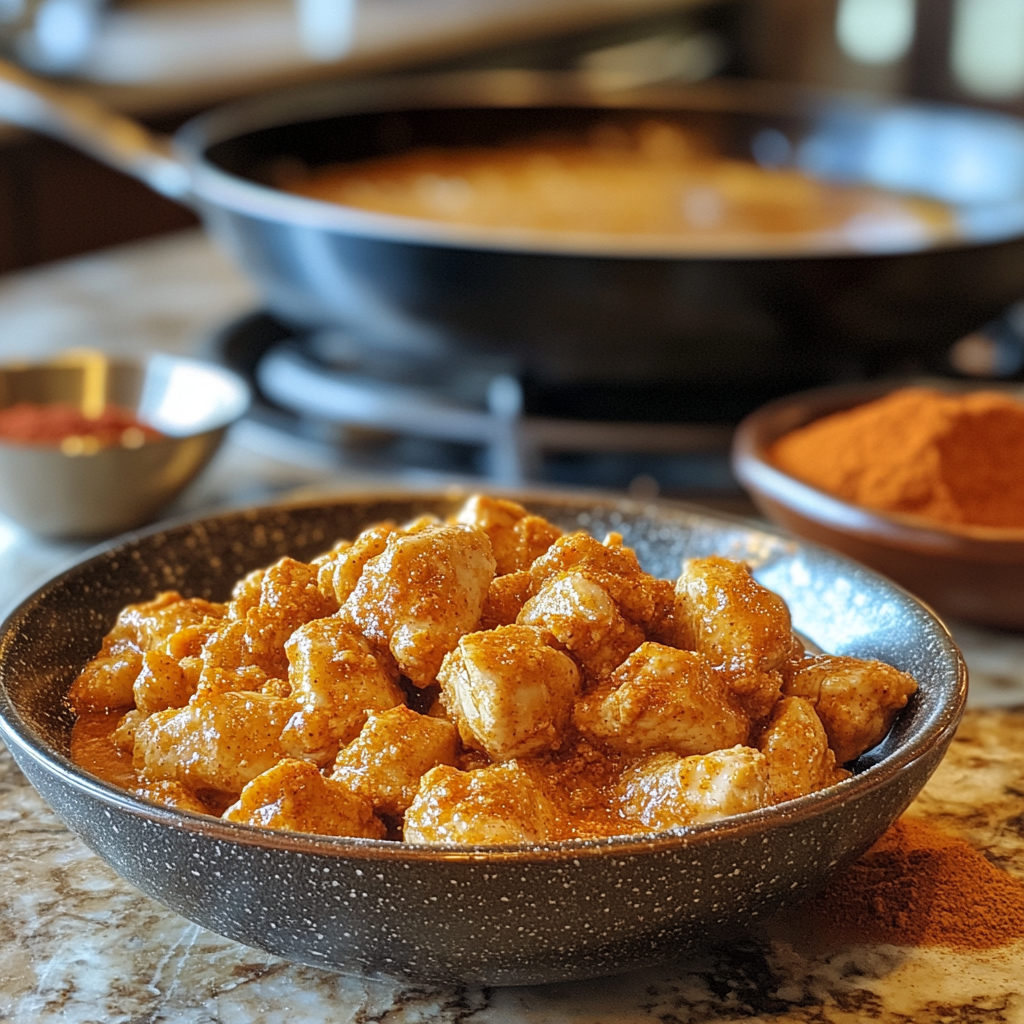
386, 411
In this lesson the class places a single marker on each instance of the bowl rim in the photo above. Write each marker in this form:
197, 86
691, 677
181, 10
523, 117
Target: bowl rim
15, 731
756, 432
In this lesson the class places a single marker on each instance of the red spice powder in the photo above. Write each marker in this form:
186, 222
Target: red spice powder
918, 886
52, 423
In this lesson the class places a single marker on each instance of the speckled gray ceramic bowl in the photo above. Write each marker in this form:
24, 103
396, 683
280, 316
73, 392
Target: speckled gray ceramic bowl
514, 915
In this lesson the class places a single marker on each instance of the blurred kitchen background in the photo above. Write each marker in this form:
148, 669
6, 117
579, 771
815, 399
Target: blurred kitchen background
162, 61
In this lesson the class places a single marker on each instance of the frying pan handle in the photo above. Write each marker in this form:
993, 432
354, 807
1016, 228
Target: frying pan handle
88, 126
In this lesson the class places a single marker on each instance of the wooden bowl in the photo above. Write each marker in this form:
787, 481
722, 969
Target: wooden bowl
973, 573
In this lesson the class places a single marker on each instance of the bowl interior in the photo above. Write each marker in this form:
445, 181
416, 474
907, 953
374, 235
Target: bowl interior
839, 606
177, 396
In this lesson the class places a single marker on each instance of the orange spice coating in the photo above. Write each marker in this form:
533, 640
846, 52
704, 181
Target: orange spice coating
956, 459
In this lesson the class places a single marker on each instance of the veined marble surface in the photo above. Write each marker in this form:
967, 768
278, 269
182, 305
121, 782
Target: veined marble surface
79, 945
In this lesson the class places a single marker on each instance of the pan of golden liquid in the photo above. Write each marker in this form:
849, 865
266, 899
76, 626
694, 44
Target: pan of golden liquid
731, 236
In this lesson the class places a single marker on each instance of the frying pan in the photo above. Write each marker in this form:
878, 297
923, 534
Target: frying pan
593, 310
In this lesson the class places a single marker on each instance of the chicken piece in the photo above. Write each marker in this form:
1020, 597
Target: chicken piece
421, 523
641, 598
743, 629
582, 616
517, 538
245, 595
293, 796
108, 680
338, 575
161, 684
171, 794
857, 701
666, 791
123, 737
394, 750
219, 743
505, 599
337, 677
509, 693
422, 594
498, 805
289, 597
226, 662
662, 698
148, 625
796, 748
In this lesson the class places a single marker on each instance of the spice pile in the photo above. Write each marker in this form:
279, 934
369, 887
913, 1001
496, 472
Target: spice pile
918, 886
955, 459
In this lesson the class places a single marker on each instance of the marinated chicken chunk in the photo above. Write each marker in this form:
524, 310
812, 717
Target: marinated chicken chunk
501, 805
857, 701
641, 598
289, 597
509, 693
295, 797
161, 683
337, 677
796, 749
172, 793
742, 628
108, 680
338, 574
505, 599
422, 594
517, 538
582, 616
394, 750
667, 791
220, 743
661, 698
226, 661
148, 626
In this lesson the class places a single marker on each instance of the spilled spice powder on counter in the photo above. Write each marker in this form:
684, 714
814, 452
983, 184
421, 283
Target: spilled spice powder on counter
918, 886
953, 458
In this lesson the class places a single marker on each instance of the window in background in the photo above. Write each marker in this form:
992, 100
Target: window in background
987, 48
875, 31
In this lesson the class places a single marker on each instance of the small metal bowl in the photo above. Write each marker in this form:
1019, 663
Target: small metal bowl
973, 573
62, 492
511, 915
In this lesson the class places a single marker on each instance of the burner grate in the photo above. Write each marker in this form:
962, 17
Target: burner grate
466, 416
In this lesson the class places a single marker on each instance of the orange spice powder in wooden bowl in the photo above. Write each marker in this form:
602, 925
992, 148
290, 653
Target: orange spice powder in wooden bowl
953, 458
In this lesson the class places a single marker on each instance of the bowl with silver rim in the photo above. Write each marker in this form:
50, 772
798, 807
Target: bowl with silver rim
75, 486
508, 915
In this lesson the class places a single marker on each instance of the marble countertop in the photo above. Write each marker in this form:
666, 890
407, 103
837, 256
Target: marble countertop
79, 945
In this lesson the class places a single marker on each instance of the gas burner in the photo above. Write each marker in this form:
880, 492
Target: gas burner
474, 416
